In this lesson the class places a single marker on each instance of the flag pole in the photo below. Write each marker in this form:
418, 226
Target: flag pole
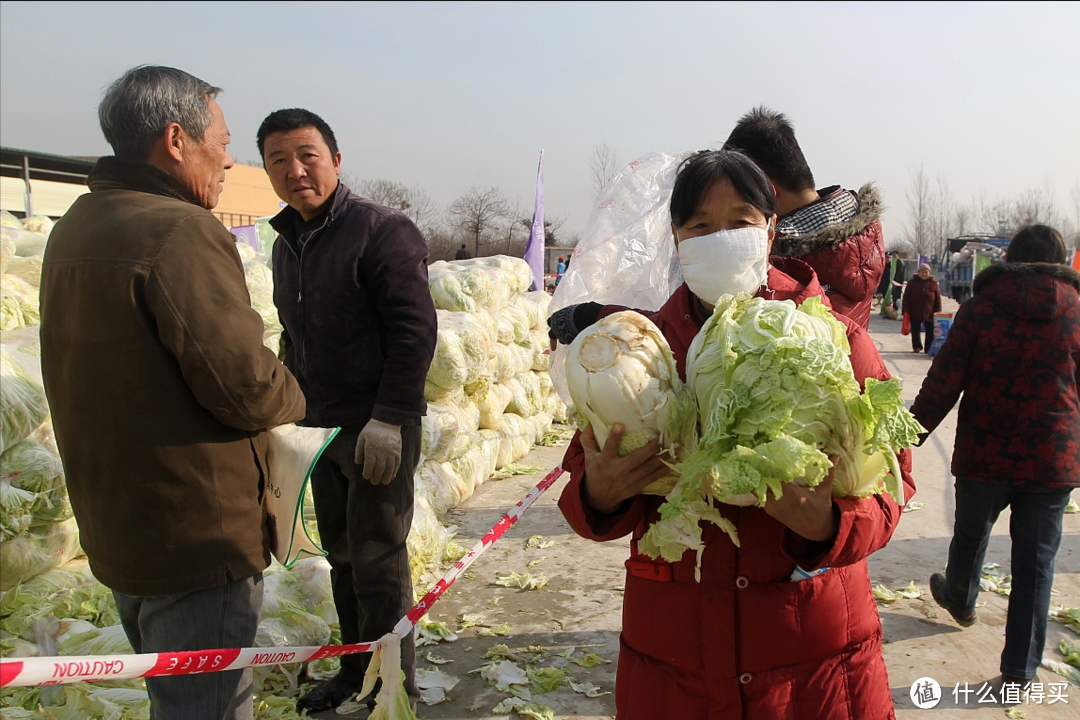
534, 248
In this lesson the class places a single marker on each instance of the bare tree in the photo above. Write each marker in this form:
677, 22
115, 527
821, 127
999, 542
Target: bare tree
1034, 206
480, 215
942, 226
552, 234
1001, 217
918, 234
992, 218
604, 163
963, 218
442, 243
412, 201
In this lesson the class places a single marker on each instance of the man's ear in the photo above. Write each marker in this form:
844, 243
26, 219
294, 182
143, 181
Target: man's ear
175, 141
772, 232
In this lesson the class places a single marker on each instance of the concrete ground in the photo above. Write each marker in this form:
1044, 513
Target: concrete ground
581, 604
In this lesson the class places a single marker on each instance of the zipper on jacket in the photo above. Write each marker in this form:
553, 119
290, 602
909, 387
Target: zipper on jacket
300, 280
299, 295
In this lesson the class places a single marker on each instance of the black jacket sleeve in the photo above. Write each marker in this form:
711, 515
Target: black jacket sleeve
395, 268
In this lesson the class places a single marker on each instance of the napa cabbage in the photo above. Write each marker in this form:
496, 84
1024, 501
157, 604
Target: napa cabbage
778, 403
621, 370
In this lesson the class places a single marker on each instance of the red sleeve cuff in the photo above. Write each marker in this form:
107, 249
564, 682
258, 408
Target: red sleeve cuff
813, 554
594, 525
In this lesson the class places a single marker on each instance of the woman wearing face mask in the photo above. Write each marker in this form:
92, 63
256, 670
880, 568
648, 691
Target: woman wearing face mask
748, 641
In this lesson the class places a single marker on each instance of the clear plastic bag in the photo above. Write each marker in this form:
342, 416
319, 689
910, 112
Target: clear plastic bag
626, 254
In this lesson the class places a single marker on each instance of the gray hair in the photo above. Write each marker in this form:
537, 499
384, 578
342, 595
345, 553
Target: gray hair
141, 104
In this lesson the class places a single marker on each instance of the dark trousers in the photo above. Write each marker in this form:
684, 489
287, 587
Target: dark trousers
916, 340
225, 616
363, 527
1035, 530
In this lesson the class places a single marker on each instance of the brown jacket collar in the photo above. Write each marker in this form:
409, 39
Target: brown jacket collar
112, 173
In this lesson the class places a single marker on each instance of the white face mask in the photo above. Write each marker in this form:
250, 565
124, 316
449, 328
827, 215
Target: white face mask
726, 262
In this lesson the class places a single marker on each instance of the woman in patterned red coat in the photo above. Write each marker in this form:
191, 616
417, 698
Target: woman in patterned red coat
1013, 351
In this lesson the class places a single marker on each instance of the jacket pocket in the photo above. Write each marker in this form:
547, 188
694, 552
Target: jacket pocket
259, 449
818, 617
662, 620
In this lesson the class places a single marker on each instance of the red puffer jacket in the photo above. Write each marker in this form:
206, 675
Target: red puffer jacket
848, 257
1014, 352
746, 642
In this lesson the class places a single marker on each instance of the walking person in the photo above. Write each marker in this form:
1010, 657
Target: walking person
1013, 352
359, 330
892, 282
922, 298
161, 389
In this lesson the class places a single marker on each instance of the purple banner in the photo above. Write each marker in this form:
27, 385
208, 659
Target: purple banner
534, 249
246, 234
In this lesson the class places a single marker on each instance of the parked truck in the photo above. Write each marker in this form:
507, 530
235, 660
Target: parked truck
960, 269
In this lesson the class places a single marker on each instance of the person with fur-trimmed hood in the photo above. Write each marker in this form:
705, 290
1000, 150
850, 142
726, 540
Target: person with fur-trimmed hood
1013, 352
835, 231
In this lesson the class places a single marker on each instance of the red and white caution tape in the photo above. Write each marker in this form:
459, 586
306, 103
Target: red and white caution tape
87, 668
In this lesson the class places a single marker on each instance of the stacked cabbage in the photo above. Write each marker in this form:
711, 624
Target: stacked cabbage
20, 270
489, 395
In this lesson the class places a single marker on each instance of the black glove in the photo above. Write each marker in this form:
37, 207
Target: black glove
922, 438
565, 325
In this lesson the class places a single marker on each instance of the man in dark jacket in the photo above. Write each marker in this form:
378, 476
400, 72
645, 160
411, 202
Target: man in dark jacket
837, 232
351, 288
463, 253
161, 389
1013, 351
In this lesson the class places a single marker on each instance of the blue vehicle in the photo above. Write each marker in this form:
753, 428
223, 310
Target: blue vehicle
958, 269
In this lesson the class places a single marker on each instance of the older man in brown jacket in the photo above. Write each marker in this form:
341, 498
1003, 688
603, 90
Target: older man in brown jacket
161, 389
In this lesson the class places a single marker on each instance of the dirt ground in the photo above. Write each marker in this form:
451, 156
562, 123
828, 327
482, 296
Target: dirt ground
581, 604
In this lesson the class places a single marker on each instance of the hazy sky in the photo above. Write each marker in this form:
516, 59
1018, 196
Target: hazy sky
450, 95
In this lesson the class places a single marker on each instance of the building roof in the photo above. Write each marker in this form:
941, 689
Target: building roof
247, 194
45, 166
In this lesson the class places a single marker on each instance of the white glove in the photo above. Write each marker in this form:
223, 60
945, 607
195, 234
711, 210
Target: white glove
378, 450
